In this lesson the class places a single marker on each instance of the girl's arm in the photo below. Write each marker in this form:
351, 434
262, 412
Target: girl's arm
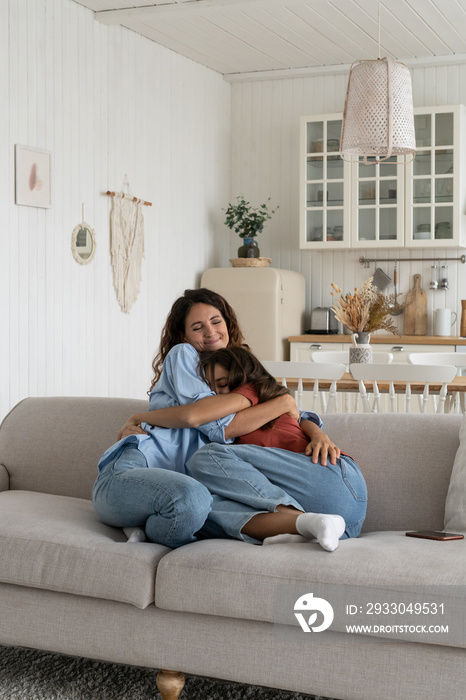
319, 444
253, 418
247, 418
190, 415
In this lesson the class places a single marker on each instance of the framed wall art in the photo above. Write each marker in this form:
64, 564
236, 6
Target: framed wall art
33, 177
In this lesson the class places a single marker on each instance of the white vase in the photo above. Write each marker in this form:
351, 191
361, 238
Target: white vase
360, 350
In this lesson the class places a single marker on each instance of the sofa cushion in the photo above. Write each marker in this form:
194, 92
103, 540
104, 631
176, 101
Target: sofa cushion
455, 505
60, 435
406, 460
58, 543
236, 579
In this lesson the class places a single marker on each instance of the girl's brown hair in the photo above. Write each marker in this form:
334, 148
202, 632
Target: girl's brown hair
243, 368
174, 330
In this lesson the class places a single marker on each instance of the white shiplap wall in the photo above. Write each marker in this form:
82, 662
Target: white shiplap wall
105, 102
265, 157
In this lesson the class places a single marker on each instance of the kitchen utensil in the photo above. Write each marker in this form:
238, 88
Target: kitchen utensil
415, 322
463, 318
443, 321
443, 230
380, 279
422, 233
397, 308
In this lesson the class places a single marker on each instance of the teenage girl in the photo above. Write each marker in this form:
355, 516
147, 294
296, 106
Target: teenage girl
328, 499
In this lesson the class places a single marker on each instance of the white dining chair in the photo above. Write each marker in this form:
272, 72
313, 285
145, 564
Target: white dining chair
325, 356
284, 370
458, 359
421, 374
343, 356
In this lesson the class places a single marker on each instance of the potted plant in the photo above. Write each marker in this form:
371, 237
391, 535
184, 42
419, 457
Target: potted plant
247, 222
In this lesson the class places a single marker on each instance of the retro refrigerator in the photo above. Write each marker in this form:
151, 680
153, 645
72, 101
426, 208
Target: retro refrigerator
269, 303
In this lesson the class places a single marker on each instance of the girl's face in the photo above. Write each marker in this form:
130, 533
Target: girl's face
219, 380
205, 328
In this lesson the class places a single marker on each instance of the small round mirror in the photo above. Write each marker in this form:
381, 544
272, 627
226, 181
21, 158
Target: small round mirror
83, 243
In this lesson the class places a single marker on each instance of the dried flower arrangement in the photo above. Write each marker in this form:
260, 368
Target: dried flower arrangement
366, 310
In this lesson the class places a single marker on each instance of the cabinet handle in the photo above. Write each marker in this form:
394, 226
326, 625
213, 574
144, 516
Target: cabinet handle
398, 348
316, 346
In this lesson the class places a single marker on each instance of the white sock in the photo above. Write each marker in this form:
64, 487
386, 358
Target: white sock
327, 529
135, 534
286, 538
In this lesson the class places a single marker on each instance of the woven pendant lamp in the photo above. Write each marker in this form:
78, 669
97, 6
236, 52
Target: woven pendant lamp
378, 118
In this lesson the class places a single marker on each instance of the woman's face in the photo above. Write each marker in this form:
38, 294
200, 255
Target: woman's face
205, 328
218, 379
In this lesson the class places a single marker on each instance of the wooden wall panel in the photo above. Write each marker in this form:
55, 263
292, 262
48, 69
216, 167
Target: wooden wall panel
105, 102
265, 162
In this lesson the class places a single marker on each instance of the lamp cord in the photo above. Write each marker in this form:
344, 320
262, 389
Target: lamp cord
378, 19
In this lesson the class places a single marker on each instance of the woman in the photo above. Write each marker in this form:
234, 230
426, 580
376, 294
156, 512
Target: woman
142, 480
330, 501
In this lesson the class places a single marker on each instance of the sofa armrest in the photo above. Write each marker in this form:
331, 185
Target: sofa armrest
4, 479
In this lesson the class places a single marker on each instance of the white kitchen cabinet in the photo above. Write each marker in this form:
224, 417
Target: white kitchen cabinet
377, 204
301, 352
400, 351
388, 205
324, 185
435, 192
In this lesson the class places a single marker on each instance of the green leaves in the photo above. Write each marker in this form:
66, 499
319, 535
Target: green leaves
247, 221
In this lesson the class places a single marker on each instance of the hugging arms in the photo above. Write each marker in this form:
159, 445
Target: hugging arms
247, 419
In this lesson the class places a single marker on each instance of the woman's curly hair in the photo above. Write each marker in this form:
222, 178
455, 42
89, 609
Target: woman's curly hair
174, 330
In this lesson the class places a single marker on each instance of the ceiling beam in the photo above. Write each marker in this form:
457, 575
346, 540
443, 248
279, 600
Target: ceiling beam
183, 7
338, 69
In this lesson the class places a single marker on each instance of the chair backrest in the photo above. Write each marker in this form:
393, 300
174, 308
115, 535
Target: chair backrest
408, 374
457, 401
349, 401
309, 370
458, 359
343, 356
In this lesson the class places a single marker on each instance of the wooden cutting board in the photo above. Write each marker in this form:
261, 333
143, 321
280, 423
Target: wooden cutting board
416, 310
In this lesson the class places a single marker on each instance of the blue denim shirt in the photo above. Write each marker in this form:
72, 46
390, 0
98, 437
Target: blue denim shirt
179, 383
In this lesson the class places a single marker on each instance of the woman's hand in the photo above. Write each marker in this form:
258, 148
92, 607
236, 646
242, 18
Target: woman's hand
321, 446
131, 427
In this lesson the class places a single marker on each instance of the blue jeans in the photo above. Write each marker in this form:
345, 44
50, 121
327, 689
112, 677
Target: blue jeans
247, 479
170, 506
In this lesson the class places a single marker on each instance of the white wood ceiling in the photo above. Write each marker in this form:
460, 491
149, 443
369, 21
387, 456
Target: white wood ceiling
250, 36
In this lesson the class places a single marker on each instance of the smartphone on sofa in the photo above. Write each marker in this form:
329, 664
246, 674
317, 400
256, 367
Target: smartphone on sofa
435, 535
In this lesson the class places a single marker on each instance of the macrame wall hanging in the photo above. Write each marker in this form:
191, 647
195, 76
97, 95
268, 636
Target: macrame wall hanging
126, 244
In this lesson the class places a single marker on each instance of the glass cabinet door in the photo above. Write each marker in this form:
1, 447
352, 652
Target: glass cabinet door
324, 209
432, 196
347, 204
377, 203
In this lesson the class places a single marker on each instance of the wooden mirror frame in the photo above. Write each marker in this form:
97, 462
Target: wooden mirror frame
75, 249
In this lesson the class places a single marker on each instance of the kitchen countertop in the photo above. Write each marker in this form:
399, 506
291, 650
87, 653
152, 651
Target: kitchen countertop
376, 338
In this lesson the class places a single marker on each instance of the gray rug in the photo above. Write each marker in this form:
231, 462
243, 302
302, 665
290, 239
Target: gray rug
26, 674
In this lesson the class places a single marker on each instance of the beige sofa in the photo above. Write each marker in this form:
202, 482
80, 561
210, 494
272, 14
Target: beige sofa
223, 608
